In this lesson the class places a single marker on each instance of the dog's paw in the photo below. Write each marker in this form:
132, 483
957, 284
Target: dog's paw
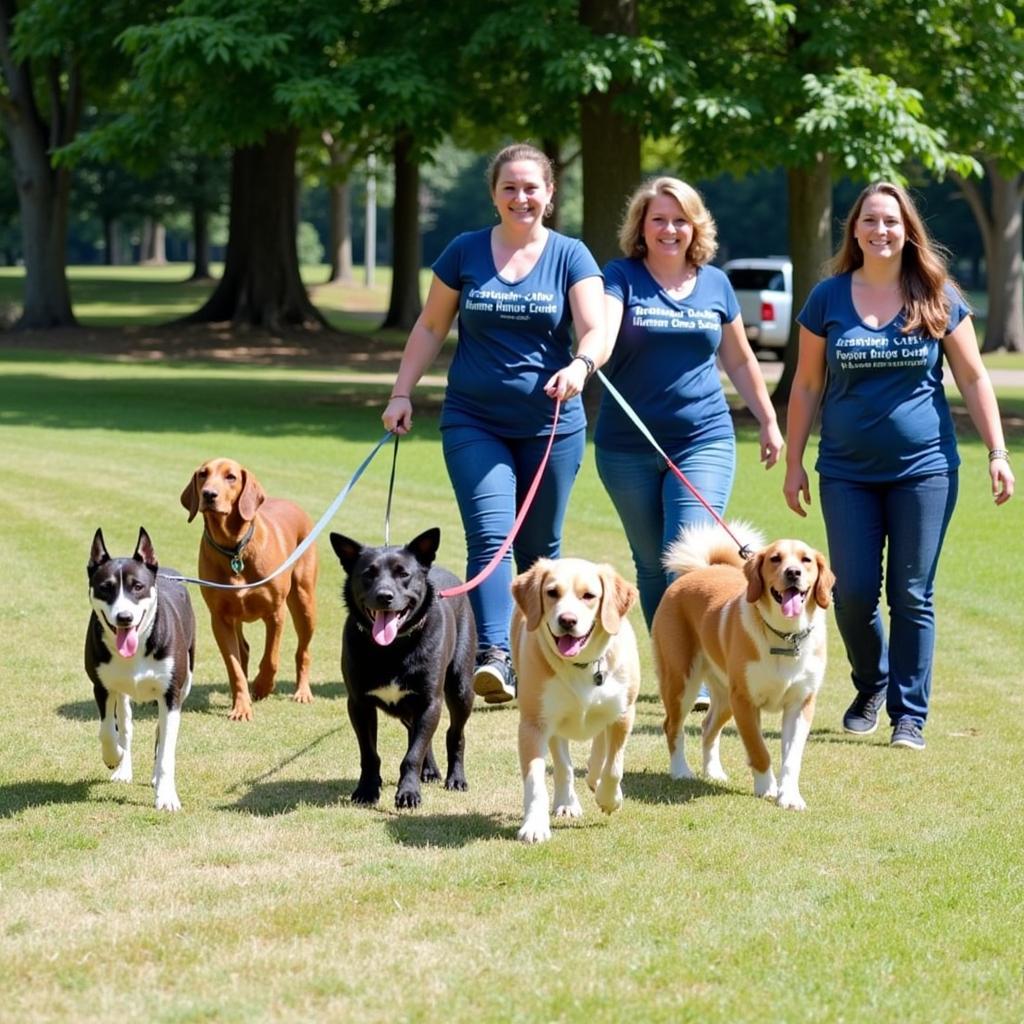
240, 712
765, 785
716, 773
407, 799
791, 800
570, 809
167, 799
535, 831
456, 782
430, 773
678, 768
262, 688
365, 793
609, 797
303, 695
112, 755
123, 772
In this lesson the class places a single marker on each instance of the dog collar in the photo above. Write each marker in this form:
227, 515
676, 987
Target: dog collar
796, 639
233, 555
597, 667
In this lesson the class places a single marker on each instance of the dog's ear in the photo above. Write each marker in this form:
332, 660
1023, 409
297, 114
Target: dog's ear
825, 582
619, 595
190, 496
752, 570
346, 549
527, 591
424, 547
144, 551
251, 498
97, 554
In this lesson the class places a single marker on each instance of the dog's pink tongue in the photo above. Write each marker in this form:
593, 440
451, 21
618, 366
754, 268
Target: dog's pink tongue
792, 603
126, 641
385, 627
570, 646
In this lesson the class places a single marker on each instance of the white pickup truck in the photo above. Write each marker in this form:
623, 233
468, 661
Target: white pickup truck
764, 288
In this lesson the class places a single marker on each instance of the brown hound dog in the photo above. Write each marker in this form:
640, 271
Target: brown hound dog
247, 536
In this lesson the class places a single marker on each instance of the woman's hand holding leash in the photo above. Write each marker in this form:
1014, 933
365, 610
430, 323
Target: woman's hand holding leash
397, 415
569, 380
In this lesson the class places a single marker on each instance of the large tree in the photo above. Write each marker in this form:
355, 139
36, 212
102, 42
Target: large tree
51, 53
801, 86
251, 77
969, 62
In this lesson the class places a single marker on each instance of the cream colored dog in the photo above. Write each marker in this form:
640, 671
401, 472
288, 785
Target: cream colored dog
576, 659
754, 632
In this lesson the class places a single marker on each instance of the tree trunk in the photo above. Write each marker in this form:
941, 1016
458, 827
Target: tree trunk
42, 190
200, 242
809, 191
610, 143
340, 196
153, 248
405, 306
1004, 327
261, 286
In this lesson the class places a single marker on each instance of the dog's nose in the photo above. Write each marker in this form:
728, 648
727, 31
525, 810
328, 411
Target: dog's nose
793, 574
567, 620
209, 495
123, 618
384, 598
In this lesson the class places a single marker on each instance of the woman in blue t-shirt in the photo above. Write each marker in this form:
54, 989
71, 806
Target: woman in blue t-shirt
872, 341
670, 314
520, 290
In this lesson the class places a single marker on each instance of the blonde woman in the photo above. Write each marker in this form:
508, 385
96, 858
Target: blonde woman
873, 339
670, 314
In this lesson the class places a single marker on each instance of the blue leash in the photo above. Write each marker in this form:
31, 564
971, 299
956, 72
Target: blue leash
314, 533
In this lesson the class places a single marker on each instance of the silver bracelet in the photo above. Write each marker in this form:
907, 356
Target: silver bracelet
998, 453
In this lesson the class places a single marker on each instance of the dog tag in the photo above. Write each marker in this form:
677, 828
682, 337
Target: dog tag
237, 565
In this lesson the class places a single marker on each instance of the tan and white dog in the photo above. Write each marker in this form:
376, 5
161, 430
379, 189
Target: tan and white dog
754, 632
578, 667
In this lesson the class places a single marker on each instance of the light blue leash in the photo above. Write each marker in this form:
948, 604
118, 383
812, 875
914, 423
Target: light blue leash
304, 546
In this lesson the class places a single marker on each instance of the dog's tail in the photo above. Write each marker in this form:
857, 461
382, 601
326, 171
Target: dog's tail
706, 544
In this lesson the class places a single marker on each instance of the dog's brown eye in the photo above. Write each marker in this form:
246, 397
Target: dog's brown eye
588, 596
776, 559
552, 591
230, 477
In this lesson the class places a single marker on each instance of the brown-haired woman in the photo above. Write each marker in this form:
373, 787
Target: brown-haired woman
873, 338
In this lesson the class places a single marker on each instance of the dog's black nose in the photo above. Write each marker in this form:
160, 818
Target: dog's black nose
793, 574
567, 621
124, 619
384, 598
209, 495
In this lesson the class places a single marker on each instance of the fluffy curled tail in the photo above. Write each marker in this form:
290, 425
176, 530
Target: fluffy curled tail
706, 544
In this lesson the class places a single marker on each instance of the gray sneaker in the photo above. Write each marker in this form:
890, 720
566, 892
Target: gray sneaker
494, 678
861, 716
907, 734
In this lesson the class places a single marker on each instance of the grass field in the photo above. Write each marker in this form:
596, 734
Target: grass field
899, 894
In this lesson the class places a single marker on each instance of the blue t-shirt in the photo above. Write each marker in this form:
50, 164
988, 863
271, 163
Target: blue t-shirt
513, 335
663, 362
885, 414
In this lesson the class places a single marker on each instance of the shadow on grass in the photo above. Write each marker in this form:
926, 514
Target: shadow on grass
661, 788
449, 831
20, 796
269, 799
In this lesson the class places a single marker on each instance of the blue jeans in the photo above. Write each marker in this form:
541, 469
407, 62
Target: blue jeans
906, 521
490, 476
654, 505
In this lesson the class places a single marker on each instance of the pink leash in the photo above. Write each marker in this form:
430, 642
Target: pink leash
745, 551
486, 571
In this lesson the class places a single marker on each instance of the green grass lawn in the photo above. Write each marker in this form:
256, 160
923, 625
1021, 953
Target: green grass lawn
897, 896
270, 897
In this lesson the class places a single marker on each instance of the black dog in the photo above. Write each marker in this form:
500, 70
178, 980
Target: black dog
140, 645
402, 647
